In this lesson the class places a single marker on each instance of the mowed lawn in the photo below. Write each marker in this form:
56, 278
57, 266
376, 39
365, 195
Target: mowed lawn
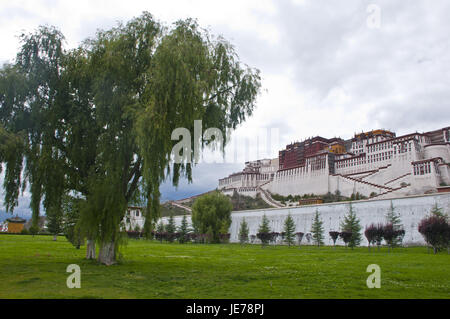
36, 268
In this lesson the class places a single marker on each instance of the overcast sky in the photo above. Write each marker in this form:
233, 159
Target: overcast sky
329, 68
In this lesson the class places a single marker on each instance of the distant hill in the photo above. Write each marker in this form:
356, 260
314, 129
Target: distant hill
241, 202
168, 209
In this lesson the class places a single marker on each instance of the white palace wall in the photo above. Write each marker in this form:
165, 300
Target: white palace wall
294, 182
411, 209
440, 150
348, 187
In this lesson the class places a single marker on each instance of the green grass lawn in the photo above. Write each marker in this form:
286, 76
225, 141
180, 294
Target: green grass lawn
36, 268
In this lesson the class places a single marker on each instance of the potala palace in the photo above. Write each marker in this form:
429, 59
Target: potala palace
409, 172
377, 164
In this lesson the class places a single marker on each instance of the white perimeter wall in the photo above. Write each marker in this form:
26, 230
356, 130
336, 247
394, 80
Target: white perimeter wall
411, 209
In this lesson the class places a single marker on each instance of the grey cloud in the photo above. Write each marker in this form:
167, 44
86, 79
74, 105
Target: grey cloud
415, 113
14, 11
402, 69
205, 178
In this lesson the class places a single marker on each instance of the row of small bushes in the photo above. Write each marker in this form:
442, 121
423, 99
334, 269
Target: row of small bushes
272, 237
435, 229
327, 198
292, 198
179, 237
27, 232
387, 233
376, 233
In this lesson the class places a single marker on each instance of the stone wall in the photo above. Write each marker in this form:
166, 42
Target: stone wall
411, 209
293, 182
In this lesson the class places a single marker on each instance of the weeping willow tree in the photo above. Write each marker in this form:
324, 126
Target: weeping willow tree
32, 107
97, 121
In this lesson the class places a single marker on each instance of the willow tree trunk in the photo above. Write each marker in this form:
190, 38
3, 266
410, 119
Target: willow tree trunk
107, 253
90, 249
55, 237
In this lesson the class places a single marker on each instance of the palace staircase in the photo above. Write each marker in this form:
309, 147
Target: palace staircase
389, 193
265, 196
181, 206
365, 183
397, 178
369, 173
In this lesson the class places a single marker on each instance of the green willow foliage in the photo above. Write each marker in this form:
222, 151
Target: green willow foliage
211, 213
31, 103
11, 150
96, 121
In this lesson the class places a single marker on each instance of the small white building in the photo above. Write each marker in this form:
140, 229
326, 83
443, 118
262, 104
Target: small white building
134, 218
